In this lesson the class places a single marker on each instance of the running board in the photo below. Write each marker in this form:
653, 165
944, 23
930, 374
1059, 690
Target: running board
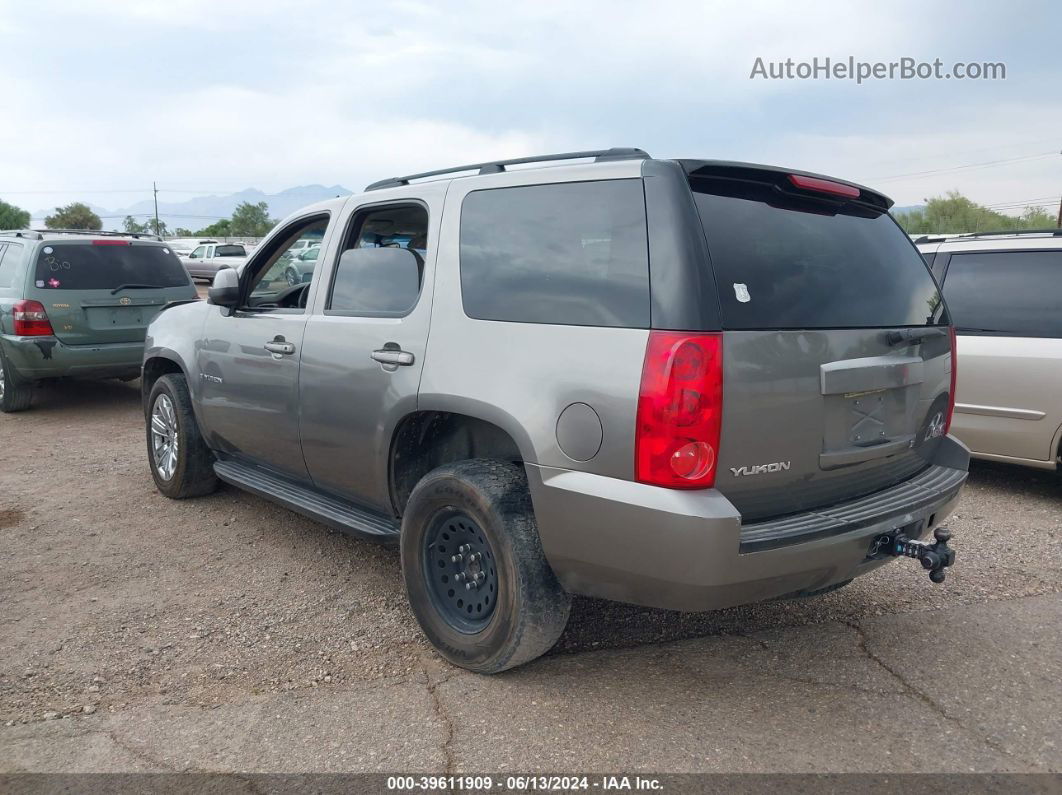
327, 510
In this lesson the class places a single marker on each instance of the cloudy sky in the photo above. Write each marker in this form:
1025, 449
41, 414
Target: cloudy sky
213, 96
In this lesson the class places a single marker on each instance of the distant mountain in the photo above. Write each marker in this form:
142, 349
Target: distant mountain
204, 210
907, 208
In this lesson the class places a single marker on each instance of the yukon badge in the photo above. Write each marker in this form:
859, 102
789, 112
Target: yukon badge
760, 469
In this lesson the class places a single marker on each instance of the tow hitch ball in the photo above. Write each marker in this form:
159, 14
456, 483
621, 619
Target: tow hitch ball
934, 557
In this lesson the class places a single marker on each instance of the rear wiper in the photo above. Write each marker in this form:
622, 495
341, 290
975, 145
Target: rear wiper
909, 335
121, 287
975, 330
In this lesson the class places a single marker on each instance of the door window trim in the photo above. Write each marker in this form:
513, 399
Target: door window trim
356, 218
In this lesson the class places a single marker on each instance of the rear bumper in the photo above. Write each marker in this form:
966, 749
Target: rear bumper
35, 358
678, 550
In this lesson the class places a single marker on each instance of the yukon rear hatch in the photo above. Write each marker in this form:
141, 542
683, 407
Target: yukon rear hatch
837, 358
107, 290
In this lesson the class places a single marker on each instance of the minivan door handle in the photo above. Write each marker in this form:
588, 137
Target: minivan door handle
280, 348
393, 356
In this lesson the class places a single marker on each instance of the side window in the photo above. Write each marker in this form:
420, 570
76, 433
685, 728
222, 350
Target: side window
572, 253
1007, 292
380, 271
10, 256
282, 269
198, 253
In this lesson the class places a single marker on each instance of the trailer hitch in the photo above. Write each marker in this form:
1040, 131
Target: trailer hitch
934, 557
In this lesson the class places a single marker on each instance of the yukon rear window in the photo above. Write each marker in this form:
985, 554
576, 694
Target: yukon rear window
106, 265
786, 262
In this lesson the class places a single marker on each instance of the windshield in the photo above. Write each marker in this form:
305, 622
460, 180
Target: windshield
795, 263
85, 265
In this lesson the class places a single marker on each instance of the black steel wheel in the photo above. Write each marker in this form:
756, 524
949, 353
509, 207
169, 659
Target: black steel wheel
477, 579
458, 565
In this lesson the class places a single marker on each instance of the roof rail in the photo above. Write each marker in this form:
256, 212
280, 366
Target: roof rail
495, 166
101, 233
1054, 232
22, 233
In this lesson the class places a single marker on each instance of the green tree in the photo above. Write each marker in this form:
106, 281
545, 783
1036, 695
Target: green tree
74, 216
130, 225
954, 213
251, 220
12, 217
216, 229
180, 231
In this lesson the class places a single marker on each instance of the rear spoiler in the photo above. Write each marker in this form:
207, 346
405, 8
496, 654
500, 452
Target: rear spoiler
780, 178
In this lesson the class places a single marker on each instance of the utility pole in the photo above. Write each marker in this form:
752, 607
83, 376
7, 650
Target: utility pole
1059, 214
155, 190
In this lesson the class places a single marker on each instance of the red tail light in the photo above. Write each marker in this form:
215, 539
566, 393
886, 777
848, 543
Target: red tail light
680, 410
111, 243
824, 186
954, 372
31, 320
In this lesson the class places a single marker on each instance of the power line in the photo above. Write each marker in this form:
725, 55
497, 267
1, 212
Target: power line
962, 152
985, 165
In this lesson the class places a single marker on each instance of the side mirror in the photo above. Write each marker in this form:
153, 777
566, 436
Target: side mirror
225, 291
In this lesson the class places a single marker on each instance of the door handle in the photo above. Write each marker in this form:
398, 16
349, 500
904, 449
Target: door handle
280, 348
393, 356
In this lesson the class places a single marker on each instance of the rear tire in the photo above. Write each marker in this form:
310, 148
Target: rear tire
16, 394
181, 463
518, 609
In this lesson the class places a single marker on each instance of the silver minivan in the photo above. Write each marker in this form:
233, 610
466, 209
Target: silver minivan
1004, 290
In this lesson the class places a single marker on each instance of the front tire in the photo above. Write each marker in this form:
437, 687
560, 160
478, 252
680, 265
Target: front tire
292, 278
472, 522
16, 394
181, 463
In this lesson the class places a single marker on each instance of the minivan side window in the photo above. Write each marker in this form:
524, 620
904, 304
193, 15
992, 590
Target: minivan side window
1016, 293
571, 253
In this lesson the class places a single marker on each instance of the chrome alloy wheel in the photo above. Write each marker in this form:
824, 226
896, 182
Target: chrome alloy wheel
164, 444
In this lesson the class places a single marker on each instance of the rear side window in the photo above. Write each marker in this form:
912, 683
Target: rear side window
381, 268
10, 258
230, 251
572, 253
92, 266
794, 264
7, 265
1006, 292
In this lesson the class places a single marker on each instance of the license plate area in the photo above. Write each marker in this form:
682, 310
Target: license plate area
118, 317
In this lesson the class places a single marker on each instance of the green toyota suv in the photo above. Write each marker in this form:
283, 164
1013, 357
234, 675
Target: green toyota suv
77, 304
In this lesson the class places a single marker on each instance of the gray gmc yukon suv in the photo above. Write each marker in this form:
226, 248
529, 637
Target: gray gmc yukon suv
686, 384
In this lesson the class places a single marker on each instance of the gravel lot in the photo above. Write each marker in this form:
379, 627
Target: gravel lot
143, 633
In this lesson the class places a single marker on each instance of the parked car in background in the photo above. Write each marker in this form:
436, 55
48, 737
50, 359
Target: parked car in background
207, 259
78, 304
1004, 291
299, 268
684, 384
